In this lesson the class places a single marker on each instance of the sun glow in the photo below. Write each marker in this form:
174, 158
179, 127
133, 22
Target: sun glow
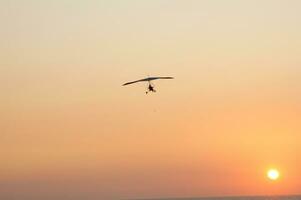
273, 174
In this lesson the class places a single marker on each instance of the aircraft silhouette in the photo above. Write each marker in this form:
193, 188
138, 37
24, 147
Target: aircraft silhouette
151, 87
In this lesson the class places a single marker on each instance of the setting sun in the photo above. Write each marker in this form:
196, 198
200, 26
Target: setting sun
273, 174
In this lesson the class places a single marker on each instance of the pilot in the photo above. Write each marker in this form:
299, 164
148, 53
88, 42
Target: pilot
151, 89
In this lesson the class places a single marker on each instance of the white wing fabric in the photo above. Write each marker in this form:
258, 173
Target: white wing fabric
148, 79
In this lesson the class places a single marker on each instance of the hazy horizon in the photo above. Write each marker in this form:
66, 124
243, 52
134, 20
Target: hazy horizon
70, 130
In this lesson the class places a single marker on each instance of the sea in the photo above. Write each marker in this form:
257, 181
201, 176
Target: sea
288, 197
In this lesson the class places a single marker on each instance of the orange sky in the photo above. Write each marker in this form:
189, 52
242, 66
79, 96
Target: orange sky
68, 129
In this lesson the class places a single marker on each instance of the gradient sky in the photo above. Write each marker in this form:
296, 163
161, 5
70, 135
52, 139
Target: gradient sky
69, 130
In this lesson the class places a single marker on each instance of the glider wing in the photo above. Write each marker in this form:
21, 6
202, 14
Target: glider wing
148, 79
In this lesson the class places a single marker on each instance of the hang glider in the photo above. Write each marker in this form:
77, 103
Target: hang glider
150, 87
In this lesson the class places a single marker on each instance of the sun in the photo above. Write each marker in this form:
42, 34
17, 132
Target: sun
273, 174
